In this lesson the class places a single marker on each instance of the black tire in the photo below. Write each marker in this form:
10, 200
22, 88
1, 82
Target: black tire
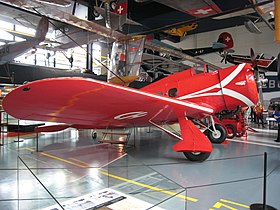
240, 134
95, 13
219, 137
113, 5
231, 131
197, 156
93, 135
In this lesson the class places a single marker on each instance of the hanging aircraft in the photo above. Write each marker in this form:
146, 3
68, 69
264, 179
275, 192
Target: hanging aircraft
114, 13
9, 51
59, 3
263, 62
224, 43
210, 15
181, 97
182, 31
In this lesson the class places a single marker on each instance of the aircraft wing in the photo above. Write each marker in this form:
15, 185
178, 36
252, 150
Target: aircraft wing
56, 14
95, 104
155, 63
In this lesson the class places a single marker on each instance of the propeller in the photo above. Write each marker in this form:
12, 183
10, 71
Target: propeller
224, 55
259, 81
253, 60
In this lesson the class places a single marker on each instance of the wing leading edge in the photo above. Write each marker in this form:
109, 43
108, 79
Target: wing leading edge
94, 103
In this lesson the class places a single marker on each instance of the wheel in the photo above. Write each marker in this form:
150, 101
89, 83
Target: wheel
113, 5
219, 136
231, 131
197, 156
240, 134
95, 13
93, 135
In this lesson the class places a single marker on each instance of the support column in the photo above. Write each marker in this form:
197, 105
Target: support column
277, 20
89, 57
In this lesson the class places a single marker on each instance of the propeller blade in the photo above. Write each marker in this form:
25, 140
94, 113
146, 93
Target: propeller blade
253, 59
224, 55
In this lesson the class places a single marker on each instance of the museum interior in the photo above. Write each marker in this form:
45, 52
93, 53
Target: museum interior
139, 104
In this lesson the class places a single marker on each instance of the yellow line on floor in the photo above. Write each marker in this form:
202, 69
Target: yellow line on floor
234, 203
57, 158
140, 184
26, 148
63, 160
150, 187
79, 161
119, 178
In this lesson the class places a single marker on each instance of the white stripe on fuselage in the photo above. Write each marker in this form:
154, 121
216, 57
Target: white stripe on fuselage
238, 96
221, 88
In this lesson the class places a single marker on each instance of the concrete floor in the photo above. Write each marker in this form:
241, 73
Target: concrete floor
70, 166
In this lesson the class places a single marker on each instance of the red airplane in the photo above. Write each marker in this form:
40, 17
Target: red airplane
181, 97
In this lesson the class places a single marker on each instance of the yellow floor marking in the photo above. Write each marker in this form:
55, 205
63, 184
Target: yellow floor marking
140, 184
150, 187
218, 205
27, 148
63, 160
120, 178
57, 158
79, 161
234, 203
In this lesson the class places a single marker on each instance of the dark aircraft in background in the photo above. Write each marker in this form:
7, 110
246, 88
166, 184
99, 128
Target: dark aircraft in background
224, 43
263, 62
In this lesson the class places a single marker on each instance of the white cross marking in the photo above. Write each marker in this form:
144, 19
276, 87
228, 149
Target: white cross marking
202, 11
120, 9
227, 39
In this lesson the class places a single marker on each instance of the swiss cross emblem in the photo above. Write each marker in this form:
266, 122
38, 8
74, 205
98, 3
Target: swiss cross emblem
227, 39
204, 11
121, 9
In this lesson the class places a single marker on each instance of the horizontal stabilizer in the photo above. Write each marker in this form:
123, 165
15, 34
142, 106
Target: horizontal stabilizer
218, 45
52, 128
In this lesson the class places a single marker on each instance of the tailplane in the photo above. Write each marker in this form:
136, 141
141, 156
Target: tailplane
225, 38
42, 29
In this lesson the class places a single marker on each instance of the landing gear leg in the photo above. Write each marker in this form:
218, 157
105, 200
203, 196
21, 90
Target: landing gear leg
216, 133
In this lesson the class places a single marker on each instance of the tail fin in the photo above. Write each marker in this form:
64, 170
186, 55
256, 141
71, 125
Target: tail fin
42, 29
121, 10
226, 38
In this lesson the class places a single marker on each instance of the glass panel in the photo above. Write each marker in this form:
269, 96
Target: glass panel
126, 58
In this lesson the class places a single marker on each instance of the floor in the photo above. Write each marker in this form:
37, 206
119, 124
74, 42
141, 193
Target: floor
72, 171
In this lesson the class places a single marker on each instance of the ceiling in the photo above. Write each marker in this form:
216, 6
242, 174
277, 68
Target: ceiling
155, 16
149, 17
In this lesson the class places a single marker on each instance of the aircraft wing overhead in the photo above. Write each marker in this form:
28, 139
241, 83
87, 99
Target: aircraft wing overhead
96, 104
196, 8
57, 14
